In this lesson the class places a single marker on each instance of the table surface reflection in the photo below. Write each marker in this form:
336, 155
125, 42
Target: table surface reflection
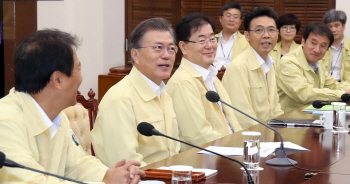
328, 153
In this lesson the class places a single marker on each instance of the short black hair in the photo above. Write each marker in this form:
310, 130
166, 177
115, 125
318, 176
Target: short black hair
230, 6
136, 36
41, 54
334, 15
288, 19
190, 24
319, 29
259, 12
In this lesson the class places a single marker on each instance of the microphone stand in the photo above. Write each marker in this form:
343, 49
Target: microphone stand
281, 159
250, 179
10, 163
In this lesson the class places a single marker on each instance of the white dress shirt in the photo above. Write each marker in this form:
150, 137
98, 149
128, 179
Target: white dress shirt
52, 125
224, 51
157, 89
264, 65
336, 61
209, 76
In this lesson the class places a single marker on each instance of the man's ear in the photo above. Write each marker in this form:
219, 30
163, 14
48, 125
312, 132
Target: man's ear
182, 46
135, 55
246, 34
56, 80
302, 41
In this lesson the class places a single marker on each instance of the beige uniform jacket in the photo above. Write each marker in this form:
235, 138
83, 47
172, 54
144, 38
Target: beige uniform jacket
200, 120
246, 84
25, 138
345, 61
124, 106
298, 84
275, 53
239, 45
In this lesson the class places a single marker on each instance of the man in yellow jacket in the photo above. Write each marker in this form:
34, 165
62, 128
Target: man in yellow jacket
337, 58
200, 121
230, 41
301, 79
250, 79
33, 130
140, 97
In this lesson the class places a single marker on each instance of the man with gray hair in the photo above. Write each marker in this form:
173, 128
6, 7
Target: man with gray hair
337, 58
140, 97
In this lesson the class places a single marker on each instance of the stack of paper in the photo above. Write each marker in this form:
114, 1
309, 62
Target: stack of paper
207, 172
266, 148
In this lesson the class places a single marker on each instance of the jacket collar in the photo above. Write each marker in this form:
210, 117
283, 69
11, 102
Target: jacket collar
187, 67
141, 86
31, 113
253, 63
346, 43
299, 53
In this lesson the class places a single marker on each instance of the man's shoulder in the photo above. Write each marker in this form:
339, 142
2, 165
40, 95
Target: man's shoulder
11, 110
122, 89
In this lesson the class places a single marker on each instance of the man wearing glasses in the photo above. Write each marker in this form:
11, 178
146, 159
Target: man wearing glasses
140, 97
337, 58
250, 79
200, 121
231, 42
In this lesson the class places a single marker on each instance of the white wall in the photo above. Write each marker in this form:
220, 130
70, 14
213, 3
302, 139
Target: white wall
99, 24
344, 6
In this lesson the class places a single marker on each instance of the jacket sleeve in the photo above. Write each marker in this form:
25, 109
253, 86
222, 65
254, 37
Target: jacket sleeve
14, 143
294, 84
237, 86
193, 124
116, 132
332, 83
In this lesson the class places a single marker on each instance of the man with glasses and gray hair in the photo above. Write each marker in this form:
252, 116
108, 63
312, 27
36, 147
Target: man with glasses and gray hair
200, 121
337, 58
250, 79
140, 97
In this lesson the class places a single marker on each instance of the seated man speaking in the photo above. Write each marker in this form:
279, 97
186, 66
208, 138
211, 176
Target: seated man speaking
140, 97
301, 79
33, 130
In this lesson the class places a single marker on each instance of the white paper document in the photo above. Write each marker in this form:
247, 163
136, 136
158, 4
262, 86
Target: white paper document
207, 172
266, 148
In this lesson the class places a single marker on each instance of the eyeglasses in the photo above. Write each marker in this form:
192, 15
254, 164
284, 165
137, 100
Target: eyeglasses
291, 28
229, 16
260, 31
172, 49
203, 42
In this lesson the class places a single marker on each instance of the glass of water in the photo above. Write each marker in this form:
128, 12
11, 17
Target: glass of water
251, 149
181, 174
339, 116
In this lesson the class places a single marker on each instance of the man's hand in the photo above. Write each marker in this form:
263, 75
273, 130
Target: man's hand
347, 91
124, 172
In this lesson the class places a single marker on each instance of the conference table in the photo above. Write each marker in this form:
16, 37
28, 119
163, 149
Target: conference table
329, 153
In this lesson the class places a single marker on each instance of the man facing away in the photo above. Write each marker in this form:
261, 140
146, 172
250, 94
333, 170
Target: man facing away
200, 120
337, 58
33, 130
301, 78
231, 41
250, 79
140, 97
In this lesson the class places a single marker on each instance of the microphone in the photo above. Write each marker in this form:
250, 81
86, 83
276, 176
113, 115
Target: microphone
147, 129
345, 97
10, 163
319, 104
281, 159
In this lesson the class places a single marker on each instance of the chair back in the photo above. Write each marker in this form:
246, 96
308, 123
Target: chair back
91, 105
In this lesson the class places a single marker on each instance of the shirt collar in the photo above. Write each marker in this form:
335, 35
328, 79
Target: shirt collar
232, 37
157, 89
265, 65
340, 46
207, 74
48, 122
314, 67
